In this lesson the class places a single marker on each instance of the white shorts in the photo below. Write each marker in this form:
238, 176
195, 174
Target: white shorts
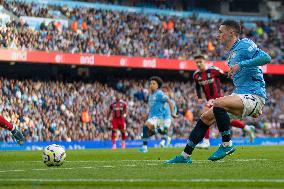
253, 105
156, 122
167, 123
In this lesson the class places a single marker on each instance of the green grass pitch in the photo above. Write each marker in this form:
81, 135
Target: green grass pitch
248, 167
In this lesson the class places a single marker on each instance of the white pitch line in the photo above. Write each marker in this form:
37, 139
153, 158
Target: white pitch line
107, 166
16, 170
52, 169
150, 180
39, 169
112, 161
158, 162
152, 164
130, 165
58, 168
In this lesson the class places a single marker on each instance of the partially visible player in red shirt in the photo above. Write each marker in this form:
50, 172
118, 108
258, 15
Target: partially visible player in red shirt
208, 78
118, 109
16, 133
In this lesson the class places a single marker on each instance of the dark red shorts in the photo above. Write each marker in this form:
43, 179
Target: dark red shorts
118, 123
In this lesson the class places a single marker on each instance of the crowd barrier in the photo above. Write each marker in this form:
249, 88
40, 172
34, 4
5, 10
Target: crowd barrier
42, 57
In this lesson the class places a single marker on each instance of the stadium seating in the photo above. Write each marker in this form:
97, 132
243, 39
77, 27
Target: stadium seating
106, 31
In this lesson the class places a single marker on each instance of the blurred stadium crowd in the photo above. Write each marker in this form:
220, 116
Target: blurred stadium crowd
67, 111
131, 34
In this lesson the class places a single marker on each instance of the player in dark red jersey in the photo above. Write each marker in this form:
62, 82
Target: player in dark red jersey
16, 133
208, 78
118, 109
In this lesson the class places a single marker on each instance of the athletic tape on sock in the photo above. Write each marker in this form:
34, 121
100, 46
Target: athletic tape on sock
225, 133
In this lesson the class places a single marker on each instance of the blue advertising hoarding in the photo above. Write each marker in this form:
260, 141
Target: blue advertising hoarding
99, 144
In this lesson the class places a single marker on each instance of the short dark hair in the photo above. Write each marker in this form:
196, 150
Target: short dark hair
199, 56
158, 80
234, 25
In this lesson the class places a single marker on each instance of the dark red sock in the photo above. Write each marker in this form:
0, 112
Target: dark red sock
237, 123
5, 124
113, 136
123, 135
207, 134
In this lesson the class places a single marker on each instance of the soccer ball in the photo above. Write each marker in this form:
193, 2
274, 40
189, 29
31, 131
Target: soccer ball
53, 155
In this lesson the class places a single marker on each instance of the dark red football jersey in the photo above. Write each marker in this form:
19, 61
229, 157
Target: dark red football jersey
209, 81
118, 108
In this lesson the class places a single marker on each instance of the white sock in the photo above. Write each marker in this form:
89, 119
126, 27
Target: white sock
163, 143
14, 127
247, 128
227, 144
206, 140
185, 155
145, 147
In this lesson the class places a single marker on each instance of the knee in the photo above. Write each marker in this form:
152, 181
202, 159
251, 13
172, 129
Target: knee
123, 131
149, 125
218, 103
206, 118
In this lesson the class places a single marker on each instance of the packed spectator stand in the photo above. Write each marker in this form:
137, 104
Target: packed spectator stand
125, 33
49, 110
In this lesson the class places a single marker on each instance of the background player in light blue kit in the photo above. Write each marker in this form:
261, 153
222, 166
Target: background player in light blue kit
167, 118
157, 101
247, 99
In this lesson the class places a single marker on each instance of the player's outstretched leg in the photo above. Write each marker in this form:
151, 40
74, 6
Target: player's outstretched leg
205, 144
223, 123
17, 134
195, 137
145, 138
163, 142
166, 140
250, 129
247, 128
113, 138
123, 137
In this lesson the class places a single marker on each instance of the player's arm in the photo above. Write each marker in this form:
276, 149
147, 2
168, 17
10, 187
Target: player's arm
165, 98
175, 108
223, 76
124, 111
109, 112
255, 57
198, 90
220, 73
259, 59
172, 108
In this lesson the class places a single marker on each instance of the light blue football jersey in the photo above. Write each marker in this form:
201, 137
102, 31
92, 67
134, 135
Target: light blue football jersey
157, 101
249, 79
167, 110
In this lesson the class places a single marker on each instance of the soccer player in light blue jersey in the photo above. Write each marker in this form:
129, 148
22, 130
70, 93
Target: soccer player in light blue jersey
157, 101
167, 118
248, 98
